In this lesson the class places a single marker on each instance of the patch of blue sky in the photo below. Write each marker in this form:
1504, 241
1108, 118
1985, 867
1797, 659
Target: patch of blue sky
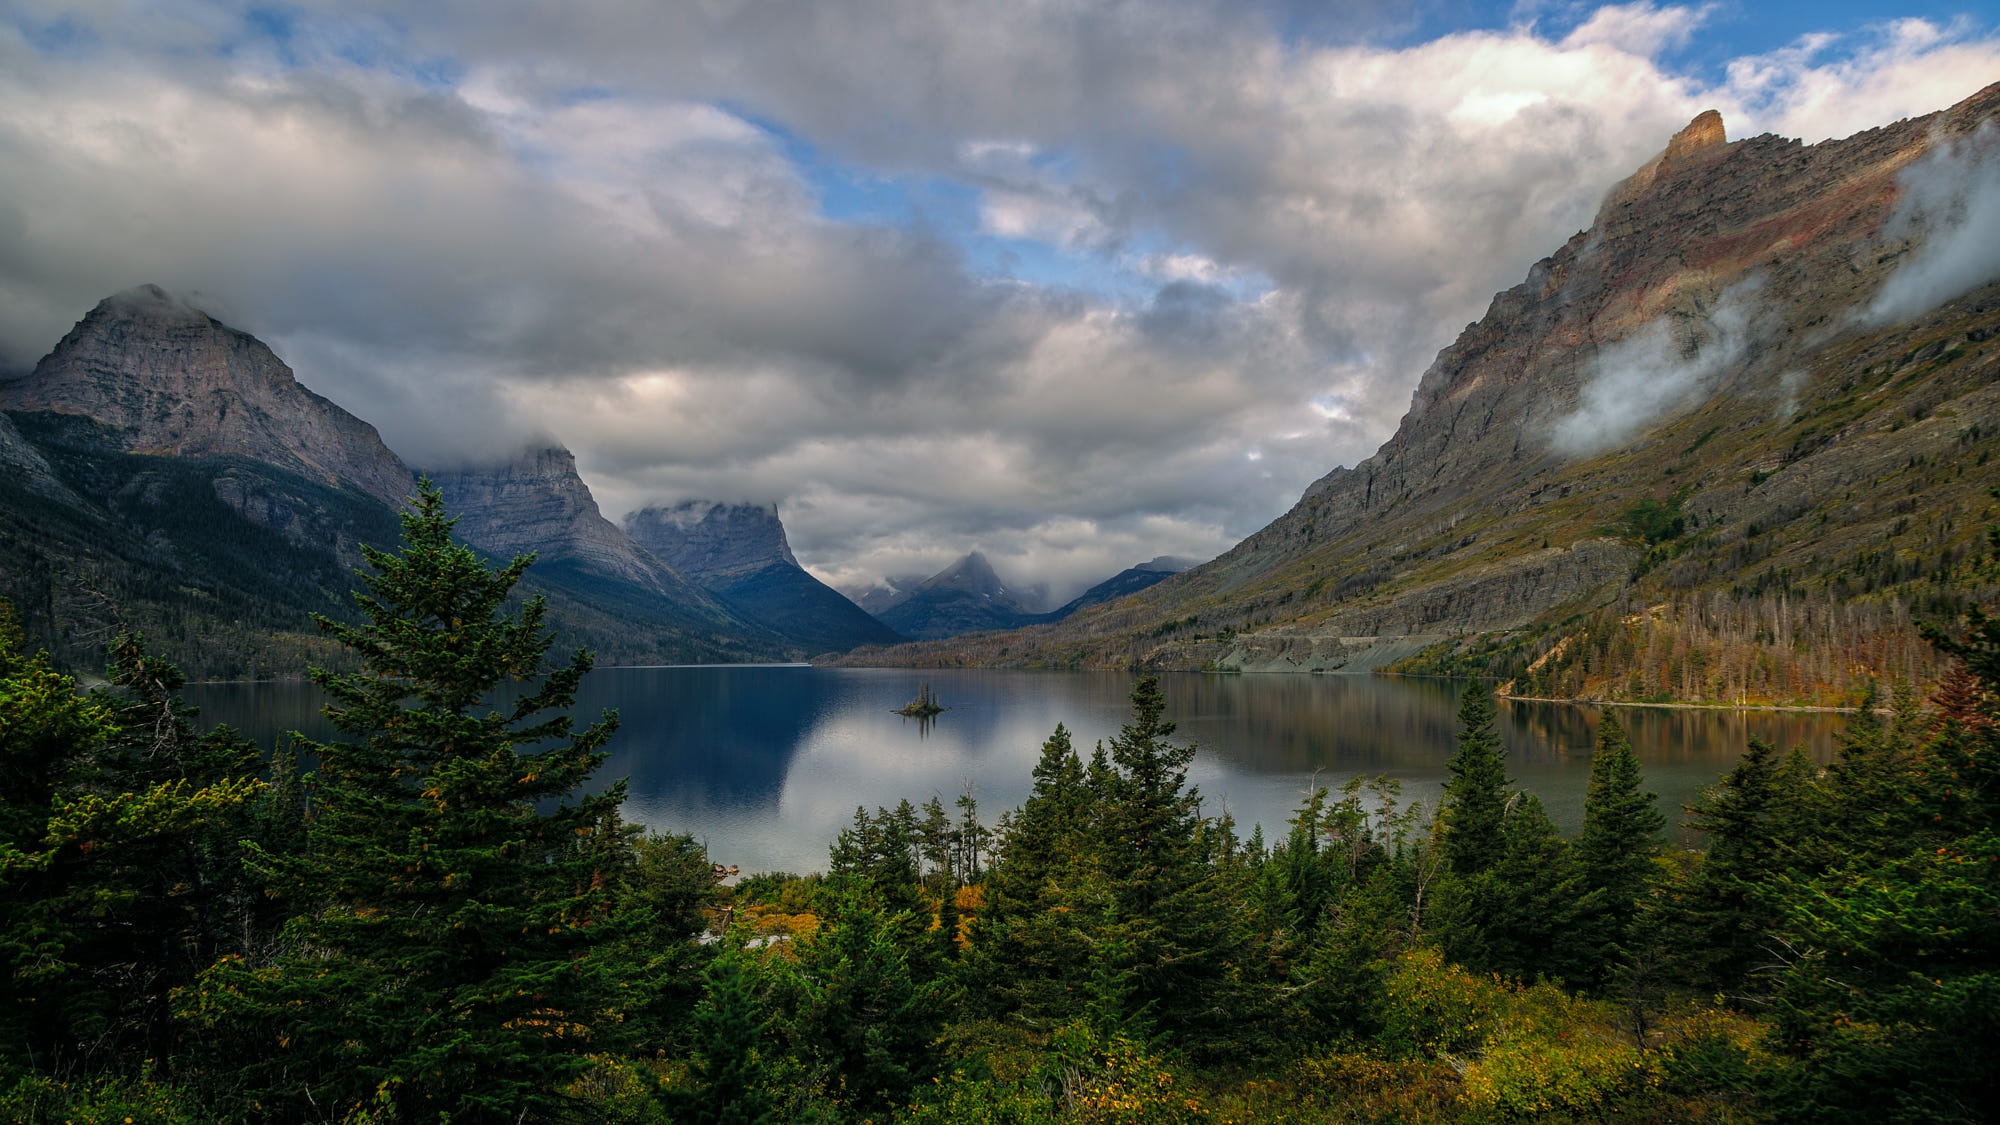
1728, 29
296, 40
64, 35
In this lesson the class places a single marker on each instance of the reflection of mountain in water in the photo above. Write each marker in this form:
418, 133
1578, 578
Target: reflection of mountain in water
767, 764
719, 736
1293, 724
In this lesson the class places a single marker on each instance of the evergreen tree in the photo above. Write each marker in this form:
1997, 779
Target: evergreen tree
116, 864
1614, 852
1029, 941
728, 1074
1169, 913
1532, 905
458, 956
1475, 799
1725, 917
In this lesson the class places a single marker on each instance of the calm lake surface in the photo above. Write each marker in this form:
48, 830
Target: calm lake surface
766, 764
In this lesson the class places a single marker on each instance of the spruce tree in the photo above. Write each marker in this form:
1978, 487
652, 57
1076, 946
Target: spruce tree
454, 963
1170, 919
116, 860
1614, 853
1475, 799
1028, 941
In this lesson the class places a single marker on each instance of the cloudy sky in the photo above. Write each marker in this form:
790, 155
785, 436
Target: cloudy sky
1077, 283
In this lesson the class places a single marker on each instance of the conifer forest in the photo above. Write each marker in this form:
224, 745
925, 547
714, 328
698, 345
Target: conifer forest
431, 917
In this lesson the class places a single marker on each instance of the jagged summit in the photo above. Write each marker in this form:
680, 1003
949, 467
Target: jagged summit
172, 379
534, 500
738, 552
967, 596
1704, 131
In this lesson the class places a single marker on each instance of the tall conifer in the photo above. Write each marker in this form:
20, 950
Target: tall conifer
1614, 853
453, 964
1475, 799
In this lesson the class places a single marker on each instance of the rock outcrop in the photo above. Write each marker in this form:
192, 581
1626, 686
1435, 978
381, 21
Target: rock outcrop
173, 380
739, 553
534, 502
23, 467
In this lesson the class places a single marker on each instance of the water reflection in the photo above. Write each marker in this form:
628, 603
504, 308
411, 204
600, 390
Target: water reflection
767, 764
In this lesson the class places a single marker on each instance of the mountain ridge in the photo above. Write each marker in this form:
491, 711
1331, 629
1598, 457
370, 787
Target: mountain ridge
1524, 506
739, 553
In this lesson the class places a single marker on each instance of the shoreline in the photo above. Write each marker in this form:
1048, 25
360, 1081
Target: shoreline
1799, 709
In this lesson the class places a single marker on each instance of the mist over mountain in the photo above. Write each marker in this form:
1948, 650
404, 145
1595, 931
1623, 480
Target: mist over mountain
1713, 447
167, 472
965, 597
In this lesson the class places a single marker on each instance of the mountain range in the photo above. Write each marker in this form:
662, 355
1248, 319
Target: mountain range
1728, 444
168, 473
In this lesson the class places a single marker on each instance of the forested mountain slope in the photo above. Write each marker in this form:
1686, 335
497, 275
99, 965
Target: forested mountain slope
1728, 444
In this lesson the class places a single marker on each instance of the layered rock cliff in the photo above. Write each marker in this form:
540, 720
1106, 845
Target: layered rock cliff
739, 553
173, 380
535, 502
1691, 406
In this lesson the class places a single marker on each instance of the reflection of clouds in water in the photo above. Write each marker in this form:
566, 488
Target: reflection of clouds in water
766, 765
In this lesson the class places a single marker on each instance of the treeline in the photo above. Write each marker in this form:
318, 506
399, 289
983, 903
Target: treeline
433, 925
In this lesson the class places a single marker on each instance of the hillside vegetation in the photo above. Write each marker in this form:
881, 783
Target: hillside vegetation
438, 924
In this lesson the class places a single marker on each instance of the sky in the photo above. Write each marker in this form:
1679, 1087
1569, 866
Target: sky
1073, 283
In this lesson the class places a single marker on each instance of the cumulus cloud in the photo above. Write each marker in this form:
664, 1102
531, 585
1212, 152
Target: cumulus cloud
1076, 284
1951, 198
1658, 371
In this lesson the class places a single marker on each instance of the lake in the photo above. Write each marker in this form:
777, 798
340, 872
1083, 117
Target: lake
766, 764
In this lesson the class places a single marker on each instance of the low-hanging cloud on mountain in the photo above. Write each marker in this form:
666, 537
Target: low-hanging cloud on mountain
1668, 366
1951, 205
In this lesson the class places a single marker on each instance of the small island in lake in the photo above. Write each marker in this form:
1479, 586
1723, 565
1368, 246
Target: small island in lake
924, 706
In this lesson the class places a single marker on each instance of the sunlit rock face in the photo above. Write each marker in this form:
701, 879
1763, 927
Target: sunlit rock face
169, 378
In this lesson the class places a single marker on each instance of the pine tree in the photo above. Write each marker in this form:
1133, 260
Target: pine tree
1475, 799
456, 960
1170, 916
728, 1075
116, 864
1029, 944
1614, 853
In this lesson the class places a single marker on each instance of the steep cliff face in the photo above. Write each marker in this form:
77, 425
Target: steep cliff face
1627, 429
706, 540
739, 553
535, 502
174, 380
23, 467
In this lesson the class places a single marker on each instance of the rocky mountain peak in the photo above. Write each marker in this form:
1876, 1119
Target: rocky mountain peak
1704, 131
703, 538
172, 379
971, 574
534, 500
